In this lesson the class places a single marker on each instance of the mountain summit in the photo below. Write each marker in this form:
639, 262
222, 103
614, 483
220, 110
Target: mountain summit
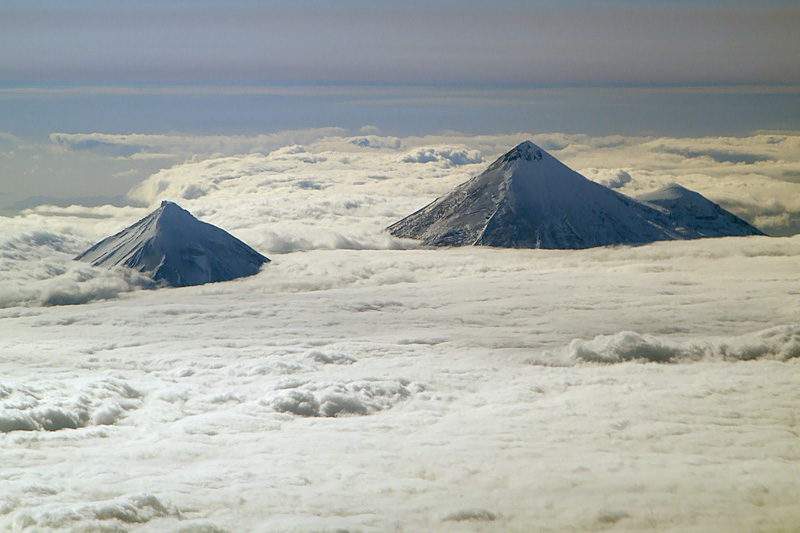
529, 199
173, 247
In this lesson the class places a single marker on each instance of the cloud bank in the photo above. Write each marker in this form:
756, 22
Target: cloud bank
752, 176
325, 191
49, 406
438, 389
781, 343
37, 269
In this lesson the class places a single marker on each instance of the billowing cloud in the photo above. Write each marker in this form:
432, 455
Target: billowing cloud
331, 192
780, 343
37, 269
455, 156
361, 397
49, 406
377, 348
352, 346
297, 381
755, 178
612, 178
375, 141
9, 143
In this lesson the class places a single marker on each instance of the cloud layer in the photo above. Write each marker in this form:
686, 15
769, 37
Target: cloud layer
322, 190
38, 269
752, 176
438, 390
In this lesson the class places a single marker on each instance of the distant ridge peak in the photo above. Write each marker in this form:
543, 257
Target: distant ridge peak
677, 187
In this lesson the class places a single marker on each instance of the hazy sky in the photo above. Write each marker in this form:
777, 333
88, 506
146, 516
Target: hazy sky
534, 43
402, 68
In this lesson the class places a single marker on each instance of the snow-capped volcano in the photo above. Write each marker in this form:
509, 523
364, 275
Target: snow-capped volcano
173, 247
695, 213
529, 199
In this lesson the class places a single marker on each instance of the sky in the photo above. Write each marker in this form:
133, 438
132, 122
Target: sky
213, 68
532, 44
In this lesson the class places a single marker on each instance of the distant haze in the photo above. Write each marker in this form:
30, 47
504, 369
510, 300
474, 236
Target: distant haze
440, 42
95, 97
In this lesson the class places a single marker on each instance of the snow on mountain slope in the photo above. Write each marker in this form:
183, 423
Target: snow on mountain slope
695, 213
173, 247
529, 199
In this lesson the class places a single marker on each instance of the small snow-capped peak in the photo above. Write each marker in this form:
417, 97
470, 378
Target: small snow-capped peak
692, 212
676, 188
672, 191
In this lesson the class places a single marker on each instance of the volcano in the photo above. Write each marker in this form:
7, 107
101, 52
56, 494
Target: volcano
175, 249
529, 199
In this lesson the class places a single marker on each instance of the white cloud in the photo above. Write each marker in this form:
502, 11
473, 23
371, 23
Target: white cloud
352, 349
296, 382
612, 178
781, 343
375, 141
9, 143
360, 397
37, 269
50, 406
455, 156
757, 177
108, 515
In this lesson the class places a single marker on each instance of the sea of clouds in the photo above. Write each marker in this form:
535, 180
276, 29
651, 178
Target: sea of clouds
363, 383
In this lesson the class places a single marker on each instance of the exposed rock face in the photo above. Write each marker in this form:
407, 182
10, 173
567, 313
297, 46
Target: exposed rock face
529, 199
174, 248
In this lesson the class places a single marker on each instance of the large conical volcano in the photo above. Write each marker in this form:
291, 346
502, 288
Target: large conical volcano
173, 247
529, 199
